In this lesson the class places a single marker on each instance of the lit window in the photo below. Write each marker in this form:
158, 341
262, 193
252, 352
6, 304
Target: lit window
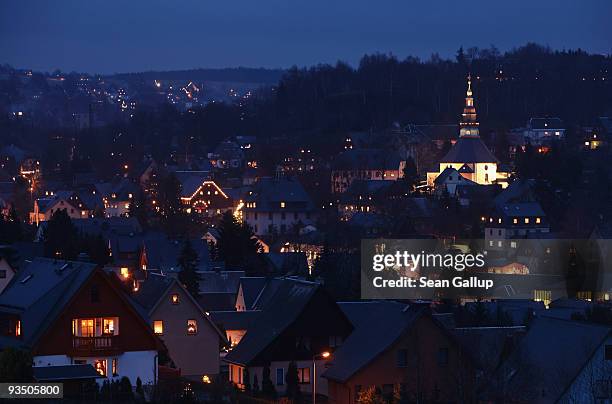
158, 327
18, 328
304, 375
108, 326
513, 244
515, 220
114, 367
499, 220
282, 204
100, 366
125, 272
87, 327
538, 220
174, 299
526, 220
192, 327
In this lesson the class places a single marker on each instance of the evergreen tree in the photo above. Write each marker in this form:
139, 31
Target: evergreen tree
188, 262
61, 239
411, 177
267, 387
293, 383
237, 245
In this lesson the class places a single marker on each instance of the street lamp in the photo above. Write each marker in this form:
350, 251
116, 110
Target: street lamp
322, 355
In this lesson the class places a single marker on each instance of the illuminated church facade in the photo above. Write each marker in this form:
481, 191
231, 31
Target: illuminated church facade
469, 155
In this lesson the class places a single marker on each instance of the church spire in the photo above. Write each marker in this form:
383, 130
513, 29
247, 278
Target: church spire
469, 124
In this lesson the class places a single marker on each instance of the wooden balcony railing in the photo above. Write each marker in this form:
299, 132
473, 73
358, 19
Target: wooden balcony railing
94, 344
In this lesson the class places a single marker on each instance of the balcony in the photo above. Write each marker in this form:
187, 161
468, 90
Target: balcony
95, 345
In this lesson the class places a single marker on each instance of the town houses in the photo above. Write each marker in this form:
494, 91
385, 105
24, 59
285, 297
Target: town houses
201, 253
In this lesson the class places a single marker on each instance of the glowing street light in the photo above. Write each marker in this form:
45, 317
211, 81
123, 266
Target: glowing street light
322, 355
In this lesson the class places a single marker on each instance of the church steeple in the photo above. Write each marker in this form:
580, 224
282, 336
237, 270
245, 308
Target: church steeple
469, 124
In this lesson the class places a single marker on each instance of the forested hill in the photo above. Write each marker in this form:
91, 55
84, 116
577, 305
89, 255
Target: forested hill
509, 87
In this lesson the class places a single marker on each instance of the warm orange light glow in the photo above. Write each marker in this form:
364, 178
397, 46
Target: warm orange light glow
125, 272
205, 379
326, 354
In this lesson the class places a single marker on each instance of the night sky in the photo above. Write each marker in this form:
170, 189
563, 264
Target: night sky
105, 36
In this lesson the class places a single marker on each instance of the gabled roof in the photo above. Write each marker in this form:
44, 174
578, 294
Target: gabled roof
545, 123
469, 150
251, 288
234, 320
220, 282
40, 291
521, 209
557, 350
378, 326
288, 302
156, 288
267, 193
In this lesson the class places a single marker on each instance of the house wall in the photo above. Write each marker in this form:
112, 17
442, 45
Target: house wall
256, 372
260, 221
423, 372
195, 355
133, 365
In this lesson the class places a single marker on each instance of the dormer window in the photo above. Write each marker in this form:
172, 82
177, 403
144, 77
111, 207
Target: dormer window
174, 298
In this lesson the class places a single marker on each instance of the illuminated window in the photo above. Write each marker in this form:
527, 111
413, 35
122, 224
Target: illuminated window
100, 366
538, 220
158, 327
526, 220
108, 326
513, 244
282, 204
114, 367
304, 375
87, 327
125, 272
174, 299
499, 220
515, 220
18, 328
192, 327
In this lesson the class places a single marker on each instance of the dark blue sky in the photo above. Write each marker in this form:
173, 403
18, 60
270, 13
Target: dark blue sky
108, 36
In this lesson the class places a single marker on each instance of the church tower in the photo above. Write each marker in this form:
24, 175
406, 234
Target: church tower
469, 124
469, 161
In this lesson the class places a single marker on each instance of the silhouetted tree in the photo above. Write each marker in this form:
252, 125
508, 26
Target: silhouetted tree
188, 262
61, 239
15, 366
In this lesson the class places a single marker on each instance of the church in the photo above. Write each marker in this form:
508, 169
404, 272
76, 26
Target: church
469, 155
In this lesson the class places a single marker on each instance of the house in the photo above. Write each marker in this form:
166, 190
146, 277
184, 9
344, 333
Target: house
218, 289
541, 131
203, 196
68, 201
449, 180
117, 196
298, 322
192, 339
227, 155
73, 313
516, 214
363, 196
558, 361
398, 349
277, 205
365, 164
